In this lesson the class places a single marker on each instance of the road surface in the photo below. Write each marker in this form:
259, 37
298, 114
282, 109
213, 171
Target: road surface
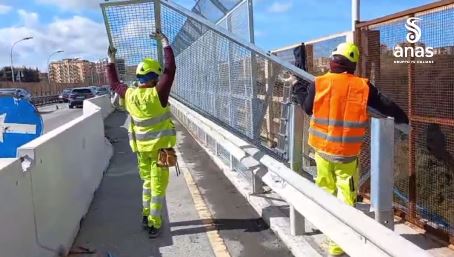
56, 115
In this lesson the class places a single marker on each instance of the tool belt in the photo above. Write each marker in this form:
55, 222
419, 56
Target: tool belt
167, 157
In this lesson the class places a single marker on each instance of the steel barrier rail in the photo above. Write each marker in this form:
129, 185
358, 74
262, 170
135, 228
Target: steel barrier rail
355, 232
43, 100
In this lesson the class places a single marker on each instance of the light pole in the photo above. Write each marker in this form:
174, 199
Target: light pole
48, 67
11, 55
356, 11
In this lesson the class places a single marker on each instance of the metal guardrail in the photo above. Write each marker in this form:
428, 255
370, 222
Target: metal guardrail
43, 100
355, 232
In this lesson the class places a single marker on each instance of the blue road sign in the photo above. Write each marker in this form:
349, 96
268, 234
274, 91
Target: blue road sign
20, 123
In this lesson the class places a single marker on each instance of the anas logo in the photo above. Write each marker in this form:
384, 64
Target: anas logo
413, 48
414, 31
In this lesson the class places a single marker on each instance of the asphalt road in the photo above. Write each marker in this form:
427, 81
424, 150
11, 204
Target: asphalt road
57, 114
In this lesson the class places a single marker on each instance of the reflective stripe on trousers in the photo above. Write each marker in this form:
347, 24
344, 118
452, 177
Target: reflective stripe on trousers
152, 135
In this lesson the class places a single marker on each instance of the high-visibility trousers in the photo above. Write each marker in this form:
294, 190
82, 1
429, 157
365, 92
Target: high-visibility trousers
338, 179
155, 180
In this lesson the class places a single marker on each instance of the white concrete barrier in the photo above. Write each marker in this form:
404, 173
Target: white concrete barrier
102, 102
17, 236
41, 207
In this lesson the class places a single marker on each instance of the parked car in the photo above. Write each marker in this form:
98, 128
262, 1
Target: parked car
16, 92
78, 95
94, 89
64, 95
102, 91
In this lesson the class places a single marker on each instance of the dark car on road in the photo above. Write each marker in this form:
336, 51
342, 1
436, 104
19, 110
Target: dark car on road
102, 91
78, 95
64, 95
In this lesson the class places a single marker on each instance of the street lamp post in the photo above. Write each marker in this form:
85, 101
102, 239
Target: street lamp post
11, 55
48, 67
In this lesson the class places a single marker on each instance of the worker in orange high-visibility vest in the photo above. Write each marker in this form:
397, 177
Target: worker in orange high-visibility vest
338, 104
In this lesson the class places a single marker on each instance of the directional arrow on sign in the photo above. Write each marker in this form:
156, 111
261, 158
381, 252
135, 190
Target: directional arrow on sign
16, 128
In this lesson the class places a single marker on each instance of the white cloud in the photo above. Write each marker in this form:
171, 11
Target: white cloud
280, 7
77, 36
138, 27
29, 19
73, 4
5, 9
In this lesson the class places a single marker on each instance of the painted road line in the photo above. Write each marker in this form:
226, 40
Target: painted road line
217, 243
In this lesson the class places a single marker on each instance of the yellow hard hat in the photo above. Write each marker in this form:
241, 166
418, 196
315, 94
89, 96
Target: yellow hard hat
348, 50
148, 65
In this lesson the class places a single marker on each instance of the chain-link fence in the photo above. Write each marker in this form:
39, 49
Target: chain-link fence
218, 74
236, 16
423, 85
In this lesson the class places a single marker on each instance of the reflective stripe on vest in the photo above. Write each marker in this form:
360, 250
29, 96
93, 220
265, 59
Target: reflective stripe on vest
343, 139
151, 121
340, 123
152, 135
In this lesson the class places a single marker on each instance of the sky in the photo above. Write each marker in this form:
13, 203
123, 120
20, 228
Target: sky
77, 26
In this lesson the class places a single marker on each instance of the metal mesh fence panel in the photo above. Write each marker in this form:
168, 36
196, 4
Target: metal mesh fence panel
319, 52
217, 75
424, 161
223, 154
214, 10
241, 169
234, 16
211, 144
130, 35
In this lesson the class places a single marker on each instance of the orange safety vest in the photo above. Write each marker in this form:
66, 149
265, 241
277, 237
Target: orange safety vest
339, 119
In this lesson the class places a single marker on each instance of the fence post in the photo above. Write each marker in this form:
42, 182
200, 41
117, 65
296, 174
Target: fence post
295, 135
382, 170
157, 17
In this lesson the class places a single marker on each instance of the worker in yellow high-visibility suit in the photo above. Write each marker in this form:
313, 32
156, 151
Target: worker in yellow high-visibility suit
338, 104
151, 127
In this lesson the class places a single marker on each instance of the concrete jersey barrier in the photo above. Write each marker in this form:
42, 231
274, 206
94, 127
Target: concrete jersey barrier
46, 192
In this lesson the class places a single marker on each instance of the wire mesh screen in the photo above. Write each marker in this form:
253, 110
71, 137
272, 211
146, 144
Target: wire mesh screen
319, 52
214, 10
130, 35
220, 77
232, 15
424, 87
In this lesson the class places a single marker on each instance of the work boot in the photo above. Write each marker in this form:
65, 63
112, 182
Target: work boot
145, 222
335, 251
153, 232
